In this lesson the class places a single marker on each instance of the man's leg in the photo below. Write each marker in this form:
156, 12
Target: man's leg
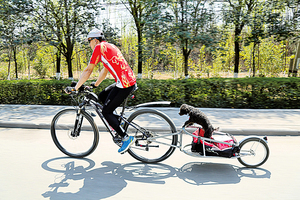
104, 93
114, 99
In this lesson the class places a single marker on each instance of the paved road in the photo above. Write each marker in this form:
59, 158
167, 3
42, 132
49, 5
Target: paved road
235, 121
31, 167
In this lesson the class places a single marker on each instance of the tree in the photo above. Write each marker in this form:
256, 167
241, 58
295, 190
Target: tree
140, 11
62, 23
289, 28
12, 20
283, 19
269, 19
256, 24
110, 33
193, 26
7, 42
237, 12
190, 24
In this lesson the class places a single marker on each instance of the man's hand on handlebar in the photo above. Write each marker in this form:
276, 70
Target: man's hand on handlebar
70, 90
93, 85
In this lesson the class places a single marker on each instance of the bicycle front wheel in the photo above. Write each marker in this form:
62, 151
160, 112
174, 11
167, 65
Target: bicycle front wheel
153, 131
253, 152
74, 133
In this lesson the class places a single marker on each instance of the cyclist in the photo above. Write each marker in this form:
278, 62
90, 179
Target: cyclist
112, 96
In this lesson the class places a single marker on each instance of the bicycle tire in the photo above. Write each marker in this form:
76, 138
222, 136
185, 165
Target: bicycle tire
148, 119
62, 126
254, 152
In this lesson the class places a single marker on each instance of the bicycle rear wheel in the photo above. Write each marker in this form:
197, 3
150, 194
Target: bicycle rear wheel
74, 133
158, 128
254, 152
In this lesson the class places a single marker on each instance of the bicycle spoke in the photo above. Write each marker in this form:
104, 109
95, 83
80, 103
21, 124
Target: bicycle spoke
72, 138
154, 144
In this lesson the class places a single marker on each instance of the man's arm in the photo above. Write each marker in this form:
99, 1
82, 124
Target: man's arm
85, 75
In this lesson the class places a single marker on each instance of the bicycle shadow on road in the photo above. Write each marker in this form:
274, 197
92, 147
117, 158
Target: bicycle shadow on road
78, 179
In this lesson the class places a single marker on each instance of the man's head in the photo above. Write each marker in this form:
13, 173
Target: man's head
95, 35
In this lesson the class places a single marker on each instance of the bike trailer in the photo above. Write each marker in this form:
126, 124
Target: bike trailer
214, 148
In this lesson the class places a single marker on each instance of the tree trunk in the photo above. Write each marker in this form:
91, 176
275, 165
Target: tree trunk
58, 59
140, 53
28, 64
28, 68
68, 54
78, 61
186, 64
237, 32
69, 44
186, 52
15, 59
9, 59
236, 57
253, 59
69, 62
258, 67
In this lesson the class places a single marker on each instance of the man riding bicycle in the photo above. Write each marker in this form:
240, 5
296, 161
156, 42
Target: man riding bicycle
113, 96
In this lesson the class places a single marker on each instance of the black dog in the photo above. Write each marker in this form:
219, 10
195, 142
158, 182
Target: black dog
197, 116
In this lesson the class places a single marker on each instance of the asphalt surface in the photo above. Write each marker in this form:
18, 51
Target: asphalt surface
234, 121
32, 168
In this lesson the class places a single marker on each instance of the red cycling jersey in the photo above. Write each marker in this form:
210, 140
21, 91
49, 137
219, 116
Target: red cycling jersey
115, 63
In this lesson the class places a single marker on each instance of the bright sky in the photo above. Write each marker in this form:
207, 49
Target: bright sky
117, 14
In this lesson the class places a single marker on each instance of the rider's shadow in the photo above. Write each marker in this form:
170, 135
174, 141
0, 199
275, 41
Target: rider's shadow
75, 181
76, 178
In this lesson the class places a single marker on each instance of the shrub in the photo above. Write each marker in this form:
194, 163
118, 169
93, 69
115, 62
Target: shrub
214, 92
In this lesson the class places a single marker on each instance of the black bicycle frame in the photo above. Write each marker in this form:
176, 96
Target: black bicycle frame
98, 108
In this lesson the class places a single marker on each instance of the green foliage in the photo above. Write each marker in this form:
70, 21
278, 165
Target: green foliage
40, 68
3, 74
167, 30
129, 49
189, 25
110, 33
255, 93
63, 22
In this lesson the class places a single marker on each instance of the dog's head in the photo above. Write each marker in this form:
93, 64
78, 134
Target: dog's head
185, 109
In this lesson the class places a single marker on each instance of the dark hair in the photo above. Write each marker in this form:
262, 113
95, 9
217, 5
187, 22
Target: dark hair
101, 38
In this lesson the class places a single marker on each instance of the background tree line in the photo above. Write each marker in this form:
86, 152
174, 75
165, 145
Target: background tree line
185, 37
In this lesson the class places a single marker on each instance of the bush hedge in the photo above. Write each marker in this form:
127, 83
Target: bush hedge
214, 92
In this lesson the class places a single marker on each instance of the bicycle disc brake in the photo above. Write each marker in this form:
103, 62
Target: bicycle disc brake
72, 135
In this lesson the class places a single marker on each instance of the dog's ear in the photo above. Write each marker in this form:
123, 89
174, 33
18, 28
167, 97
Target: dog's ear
189, 109
182, 110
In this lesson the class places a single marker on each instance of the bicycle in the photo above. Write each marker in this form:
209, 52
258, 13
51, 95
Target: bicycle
76, 134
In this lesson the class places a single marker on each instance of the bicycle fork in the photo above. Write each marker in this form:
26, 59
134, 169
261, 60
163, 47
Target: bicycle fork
78, 124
